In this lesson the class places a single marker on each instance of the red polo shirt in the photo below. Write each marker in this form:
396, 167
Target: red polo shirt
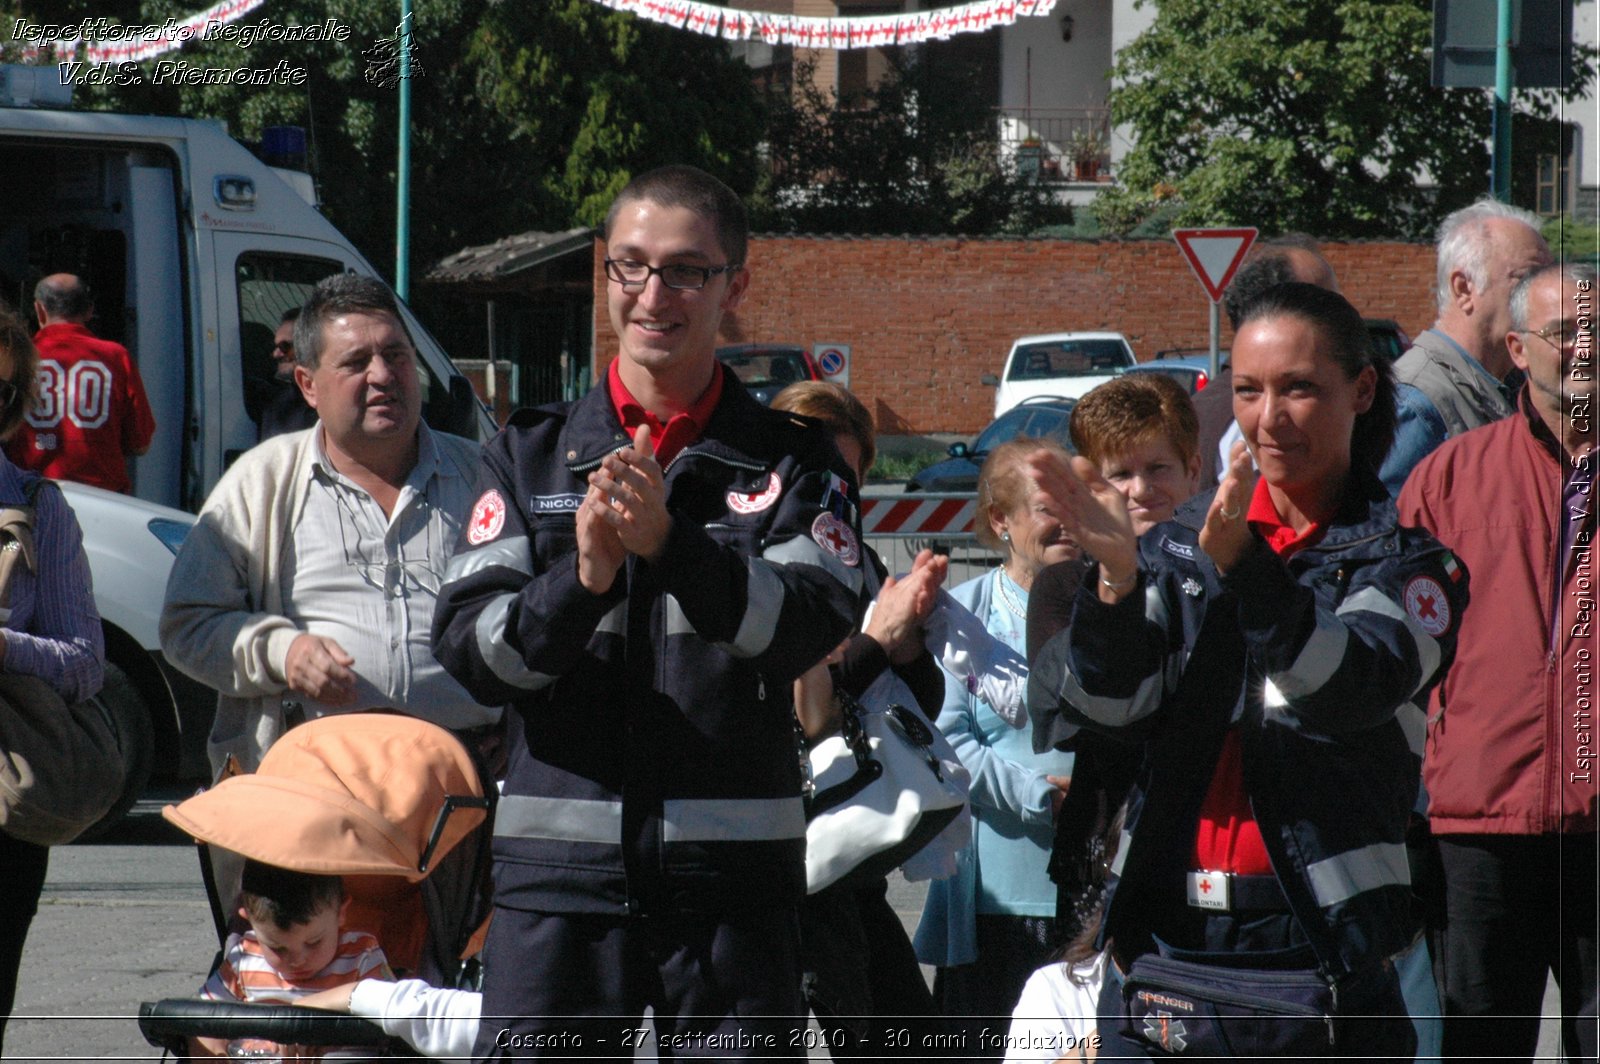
1228, 839
680, 429
91, 415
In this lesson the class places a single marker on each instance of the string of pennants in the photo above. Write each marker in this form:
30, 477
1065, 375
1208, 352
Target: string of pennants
859, 31
121, 44
104, 42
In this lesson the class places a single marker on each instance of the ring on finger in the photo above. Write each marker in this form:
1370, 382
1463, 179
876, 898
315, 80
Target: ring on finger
1228, 515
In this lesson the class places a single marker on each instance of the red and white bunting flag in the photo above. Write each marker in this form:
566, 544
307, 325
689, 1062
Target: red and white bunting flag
872, 31
735, 26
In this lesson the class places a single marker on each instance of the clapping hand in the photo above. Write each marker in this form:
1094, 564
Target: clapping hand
634, 495
600, 549
902, 605
1093, 513
1226, 535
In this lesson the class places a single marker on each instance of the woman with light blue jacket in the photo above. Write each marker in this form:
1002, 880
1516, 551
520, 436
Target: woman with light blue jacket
988, 927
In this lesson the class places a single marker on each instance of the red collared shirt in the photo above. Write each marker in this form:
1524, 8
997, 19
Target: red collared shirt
680, 430
1228, 839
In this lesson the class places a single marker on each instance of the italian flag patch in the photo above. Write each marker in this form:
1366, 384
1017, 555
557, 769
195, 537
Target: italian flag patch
1452, 568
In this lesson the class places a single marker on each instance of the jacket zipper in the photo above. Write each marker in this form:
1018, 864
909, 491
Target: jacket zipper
736, 464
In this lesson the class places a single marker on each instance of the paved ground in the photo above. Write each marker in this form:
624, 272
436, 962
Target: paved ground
126, 921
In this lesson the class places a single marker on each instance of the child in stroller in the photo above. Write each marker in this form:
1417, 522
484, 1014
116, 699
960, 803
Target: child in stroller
298, 943
397, 808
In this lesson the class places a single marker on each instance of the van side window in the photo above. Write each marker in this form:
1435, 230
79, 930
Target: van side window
269, 283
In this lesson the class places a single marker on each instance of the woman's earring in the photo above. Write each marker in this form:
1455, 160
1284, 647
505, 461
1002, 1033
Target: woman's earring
1005, 537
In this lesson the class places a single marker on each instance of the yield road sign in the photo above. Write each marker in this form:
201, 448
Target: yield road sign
1214, 255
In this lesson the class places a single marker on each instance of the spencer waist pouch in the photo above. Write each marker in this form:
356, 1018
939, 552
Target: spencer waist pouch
1212, 1010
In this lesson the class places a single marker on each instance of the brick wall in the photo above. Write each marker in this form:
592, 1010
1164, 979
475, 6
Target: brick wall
925, 317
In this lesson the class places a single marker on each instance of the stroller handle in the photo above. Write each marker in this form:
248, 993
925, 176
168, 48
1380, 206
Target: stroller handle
175, 1019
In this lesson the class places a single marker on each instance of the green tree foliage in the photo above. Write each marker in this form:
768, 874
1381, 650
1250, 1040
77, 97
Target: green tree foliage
604, 95
525, 115
918, 153
1311, 115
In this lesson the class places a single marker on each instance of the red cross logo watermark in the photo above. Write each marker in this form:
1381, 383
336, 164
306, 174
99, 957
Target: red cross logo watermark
1426, 604
488, 518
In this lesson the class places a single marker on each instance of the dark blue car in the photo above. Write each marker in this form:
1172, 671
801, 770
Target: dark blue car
1039, 417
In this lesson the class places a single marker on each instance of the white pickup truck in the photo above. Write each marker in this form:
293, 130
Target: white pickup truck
195, 248
1065, 365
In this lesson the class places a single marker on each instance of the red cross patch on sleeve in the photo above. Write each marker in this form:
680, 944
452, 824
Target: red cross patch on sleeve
1426, 603
837, 538
756, 501
488, 518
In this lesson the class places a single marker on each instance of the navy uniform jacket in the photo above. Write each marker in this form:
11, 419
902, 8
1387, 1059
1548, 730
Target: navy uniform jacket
1325, 660
656, 765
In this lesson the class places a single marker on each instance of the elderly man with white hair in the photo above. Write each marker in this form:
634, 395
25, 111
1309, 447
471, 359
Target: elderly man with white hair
1460, 365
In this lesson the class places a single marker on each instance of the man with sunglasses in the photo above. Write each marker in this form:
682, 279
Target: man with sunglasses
1510, 763
91, 414
644, 574
286, 411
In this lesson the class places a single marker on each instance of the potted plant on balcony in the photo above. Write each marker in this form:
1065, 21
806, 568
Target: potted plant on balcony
1086, 147
1030, 156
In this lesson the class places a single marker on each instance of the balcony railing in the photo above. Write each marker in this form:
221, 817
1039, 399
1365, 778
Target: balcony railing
1058, 144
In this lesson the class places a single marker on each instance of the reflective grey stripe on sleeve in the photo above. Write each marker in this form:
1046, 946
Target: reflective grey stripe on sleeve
1344, 875
732, 819
615, 622
1155, 607
519, 816
763, 602
1414, 723
1317, 661
677, 620
1146, 699
804, 550
512, 553
503, 660
1114, 711
1374, 601
1124, 842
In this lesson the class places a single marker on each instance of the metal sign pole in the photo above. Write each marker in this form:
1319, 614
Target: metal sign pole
1216, 335
1501, 185
402, 237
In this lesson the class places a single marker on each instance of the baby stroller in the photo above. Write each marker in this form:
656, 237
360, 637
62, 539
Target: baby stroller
396, 806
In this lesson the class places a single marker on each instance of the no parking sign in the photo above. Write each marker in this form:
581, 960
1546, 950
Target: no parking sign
833, 361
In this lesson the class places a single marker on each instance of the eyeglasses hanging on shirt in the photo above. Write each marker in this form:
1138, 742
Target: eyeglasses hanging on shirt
392, 576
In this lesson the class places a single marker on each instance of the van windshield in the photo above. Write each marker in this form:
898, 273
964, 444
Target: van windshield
1067, 358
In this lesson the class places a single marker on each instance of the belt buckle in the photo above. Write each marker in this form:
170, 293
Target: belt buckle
1209, 890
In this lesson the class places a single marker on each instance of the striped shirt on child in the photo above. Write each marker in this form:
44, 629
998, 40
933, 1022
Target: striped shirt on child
245, 975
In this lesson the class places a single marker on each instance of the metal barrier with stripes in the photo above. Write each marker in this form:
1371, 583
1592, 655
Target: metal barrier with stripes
898, 524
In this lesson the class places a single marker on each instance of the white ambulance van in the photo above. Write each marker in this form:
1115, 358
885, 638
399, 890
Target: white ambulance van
195, 248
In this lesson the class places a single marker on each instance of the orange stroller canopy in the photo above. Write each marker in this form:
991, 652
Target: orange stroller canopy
355, 794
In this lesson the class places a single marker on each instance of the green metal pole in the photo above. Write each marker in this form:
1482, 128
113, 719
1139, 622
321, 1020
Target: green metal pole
1500, 187
402, 235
